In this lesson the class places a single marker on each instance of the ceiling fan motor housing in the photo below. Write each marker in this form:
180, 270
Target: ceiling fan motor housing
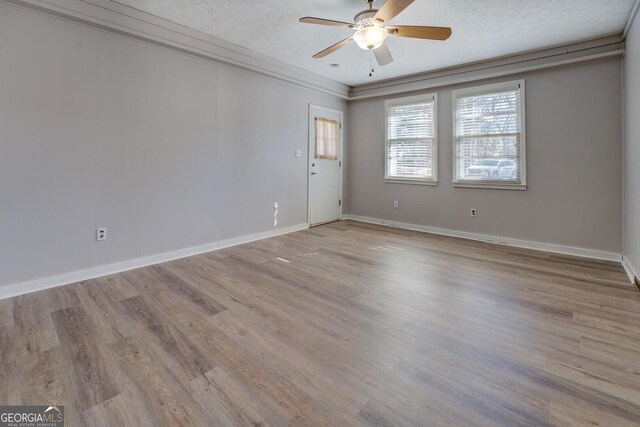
364, 15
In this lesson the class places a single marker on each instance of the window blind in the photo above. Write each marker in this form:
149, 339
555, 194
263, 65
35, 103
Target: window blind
410, 140
488, 132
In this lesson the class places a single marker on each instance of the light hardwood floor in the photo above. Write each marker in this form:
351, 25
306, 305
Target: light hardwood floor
346, 324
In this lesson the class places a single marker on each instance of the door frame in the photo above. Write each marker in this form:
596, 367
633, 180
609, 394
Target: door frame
310, 147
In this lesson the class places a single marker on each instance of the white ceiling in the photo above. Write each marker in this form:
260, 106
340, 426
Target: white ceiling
482, 29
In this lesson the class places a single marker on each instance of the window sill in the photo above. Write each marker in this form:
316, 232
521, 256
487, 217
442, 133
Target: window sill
490, 185
410, 181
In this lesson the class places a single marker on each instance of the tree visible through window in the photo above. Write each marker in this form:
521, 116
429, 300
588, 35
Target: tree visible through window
489, 135
411, 139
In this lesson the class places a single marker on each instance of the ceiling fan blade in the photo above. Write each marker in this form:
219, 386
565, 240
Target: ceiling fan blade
383, 55
391, 9
333, 48
417, 32
321, 21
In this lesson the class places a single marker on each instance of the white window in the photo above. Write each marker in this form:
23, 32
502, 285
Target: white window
411, 141
489, 136
327, 137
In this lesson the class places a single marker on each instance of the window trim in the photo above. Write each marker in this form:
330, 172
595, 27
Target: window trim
480, 90
429, 97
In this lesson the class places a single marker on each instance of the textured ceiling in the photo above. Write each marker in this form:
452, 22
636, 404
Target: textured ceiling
482, 29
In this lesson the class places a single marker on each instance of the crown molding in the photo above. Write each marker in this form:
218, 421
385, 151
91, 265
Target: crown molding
631, 19
111, 16
598, 49
117, 18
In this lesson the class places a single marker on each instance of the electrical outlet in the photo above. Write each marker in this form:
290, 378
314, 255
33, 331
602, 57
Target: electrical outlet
395, 204
275, 214
101, 234
298, 153
474, 212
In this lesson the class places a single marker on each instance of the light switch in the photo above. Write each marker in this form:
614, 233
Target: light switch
298, 153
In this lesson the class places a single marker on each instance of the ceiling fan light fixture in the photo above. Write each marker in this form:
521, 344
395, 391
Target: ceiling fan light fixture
370, 37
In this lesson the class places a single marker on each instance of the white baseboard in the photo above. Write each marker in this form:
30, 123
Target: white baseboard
548, 247
631, 272
105, 270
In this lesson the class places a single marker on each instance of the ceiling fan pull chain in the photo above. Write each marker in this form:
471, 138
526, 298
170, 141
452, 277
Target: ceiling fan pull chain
371, 64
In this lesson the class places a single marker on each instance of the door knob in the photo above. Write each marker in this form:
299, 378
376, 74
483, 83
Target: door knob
314, 173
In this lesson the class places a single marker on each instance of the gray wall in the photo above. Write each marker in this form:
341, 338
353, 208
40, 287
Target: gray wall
632, 147
167, 150
574, 174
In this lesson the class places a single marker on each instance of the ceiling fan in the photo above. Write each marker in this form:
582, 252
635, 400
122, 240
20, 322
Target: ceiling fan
371, 30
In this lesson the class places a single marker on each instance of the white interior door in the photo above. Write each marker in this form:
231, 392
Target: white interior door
325, 164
